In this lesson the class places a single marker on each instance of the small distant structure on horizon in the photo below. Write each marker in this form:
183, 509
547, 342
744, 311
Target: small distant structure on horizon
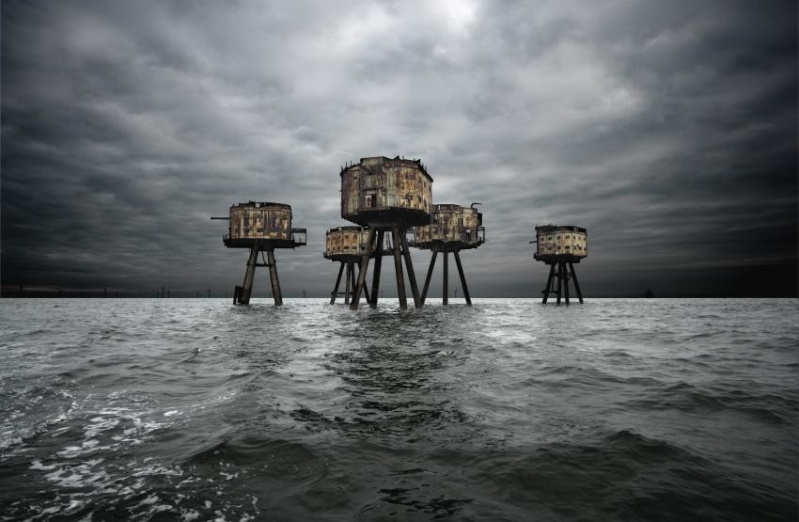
261, 227
560, 247
453, 228
388, 196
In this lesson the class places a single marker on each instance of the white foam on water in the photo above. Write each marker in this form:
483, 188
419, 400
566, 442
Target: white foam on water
151, 499
79, 476
100, 424
157, 469
229, 476
86, 447
187, 515
37, 464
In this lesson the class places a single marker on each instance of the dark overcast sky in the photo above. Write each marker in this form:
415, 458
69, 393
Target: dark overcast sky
667, 129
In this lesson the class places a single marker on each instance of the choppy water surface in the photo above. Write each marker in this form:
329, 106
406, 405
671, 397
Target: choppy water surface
648, 409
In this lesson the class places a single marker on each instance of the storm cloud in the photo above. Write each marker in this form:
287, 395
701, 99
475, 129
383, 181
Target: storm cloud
667, 129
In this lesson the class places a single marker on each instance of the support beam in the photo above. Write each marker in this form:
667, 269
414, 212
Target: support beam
249, 276
334, 293
576, 283
270, 254
463, 278
417, 300
429, 275
362, 275
377, 251
365, 291
560, 283
349, 286
563, 271
446, 278
548, 288
398, 269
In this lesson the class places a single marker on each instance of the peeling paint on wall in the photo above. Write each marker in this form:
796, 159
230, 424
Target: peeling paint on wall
346, 241
451, 224
561, 240
256, 220
382, 185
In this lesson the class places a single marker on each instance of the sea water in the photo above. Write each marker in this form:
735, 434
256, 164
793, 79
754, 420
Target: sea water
195, 409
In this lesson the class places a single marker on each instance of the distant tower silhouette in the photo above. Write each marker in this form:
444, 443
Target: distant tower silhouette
261, 227
388, 196
560, 247
454, 228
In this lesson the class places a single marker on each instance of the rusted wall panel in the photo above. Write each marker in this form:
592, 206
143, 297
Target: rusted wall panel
346, 241
260, 221
451, 223
564, 240
385, 184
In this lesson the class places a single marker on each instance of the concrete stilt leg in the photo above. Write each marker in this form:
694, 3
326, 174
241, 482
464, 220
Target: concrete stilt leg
463, 279
270, 254
362, 275
429, 275
249, 276
398, 269
576, 283
446, 279
334, 293
378, 253
406, 254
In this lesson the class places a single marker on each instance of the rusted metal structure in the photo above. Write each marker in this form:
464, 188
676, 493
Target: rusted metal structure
347, 246
560, 247
453, 228
261, 227
388, 196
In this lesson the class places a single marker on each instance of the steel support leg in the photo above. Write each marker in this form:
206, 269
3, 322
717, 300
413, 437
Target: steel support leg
576, 283
270, 255
446, 279
249, 276
406, 253
565, 280
365, 291
362, 275
463, 278
349, 282
338, 281
378, 253
429, 275
398, 269
548, 288
560, 283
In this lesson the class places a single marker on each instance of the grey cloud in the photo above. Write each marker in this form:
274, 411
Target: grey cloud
668, 130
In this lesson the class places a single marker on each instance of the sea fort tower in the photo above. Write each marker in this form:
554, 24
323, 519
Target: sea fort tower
453, 228
560, 247
261, 227
388, 196
347, 246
